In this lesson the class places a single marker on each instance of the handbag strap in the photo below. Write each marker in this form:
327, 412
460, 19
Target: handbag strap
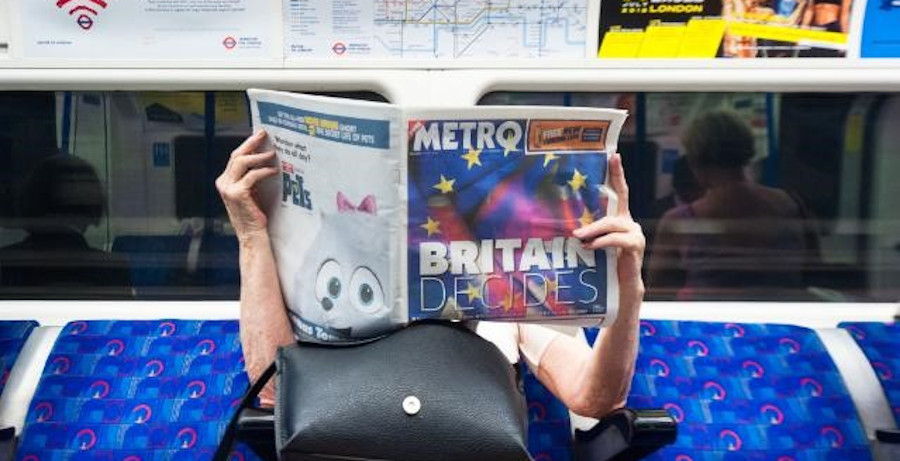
229, 439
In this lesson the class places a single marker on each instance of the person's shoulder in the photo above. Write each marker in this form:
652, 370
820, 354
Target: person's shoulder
682, 211
785, 203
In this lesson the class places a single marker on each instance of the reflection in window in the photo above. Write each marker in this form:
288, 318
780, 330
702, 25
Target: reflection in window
808, 213
122, 202
751, 196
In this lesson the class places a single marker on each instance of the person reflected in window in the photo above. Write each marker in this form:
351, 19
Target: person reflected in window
685, 189
590, 381
58, 201
740, 239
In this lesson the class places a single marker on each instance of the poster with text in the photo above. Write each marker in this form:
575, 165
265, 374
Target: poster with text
147, 29
881, 31
724, 28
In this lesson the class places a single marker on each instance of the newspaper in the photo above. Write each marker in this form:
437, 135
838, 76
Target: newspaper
383, 215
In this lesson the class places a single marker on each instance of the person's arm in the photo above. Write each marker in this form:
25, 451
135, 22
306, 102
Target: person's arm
595, 382
264, 322
798, 13
845, 15
809, 14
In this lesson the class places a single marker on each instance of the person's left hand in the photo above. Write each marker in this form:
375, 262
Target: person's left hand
622, 233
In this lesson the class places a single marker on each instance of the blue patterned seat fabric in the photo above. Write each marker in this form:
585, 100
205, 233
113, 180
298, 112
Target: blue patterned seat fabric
13, 335
136, 391
881, 344
746, 391
549, 430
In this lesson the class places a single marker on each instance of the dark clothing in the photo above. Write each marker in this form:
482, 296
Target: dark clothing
61, 265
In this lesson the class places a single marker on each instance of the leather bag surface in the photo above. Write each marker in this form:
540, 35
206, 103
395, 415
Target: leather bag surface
431, 391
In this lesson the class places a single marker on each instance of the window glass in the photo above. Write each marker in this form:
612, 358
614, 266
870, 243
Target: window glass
110, 195
755, 196
743, 196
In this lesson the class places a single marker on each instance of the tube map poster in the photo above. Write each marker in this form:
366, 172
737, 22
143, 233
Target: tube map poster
724, 28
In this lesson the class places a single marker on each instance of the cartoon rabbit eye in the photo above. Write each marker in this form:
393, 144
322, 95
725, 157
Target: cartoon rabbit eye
366, 289
328, 281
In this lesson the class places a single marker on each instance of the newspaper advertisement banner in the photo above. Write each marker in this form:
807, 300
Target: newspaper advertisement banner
724, 28
147, 29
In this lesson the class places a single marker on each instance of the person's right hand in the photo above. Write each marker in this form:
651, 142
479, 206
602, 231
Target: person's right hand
236, 184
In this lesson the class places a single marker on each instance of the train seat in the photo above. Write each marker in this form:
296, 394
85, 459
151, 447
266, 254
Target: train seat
219, 260
746, 391
162, 389
880, 343
155, 261
13, 335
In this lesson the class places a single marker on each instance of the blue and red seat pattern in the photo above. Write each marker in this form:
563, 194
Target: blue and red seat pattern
549, 430
746, 391
13, 335
136, 391
881, 344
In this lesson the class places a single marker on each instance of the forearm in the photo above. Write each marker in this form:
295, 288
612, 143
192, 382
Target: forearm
264, 322
592, 382
607, 375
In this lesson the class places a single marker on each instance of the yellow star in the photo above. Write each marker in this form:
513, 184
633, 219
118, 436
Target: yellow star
432, 227
586, 218
548, 157
473, 157
472, 292
445, 186
578, 181
550, 285
510, 301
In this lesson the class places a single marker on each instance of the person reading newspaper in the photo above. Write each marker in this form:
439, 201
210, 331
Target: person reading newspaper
591, 382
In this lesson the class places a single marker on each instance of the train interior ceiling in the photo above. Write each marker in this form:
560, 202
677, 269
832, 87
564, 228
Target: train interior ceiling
161, 231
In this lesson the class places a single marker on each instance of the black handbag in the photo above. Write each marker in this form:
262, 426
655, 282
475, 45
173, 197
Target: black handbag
431, 391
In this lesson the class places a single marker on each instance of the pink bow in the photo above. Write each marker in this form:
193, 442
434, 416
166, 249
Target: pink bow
366, 206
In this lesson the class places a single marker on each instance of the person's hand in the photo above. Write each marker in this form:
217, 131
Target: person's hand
622, 233
245, 169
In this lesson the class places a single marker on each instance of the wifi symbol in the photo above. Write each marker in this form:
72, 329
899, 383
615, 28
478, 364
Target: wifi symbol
84, 19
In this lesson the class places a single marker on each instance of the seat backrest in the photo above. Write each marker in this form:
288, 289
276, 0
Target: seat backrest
13, 334
136, 390
881, 344
750, 391
155, 260
549, 430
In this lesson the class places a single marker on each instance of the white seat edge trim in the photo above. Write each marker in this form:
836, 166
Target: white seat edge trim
863, 385
25, 375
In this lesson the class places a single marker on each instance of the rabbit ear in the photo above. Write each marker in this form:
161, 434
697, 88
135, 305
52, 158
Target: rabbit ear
367, 205
343, 204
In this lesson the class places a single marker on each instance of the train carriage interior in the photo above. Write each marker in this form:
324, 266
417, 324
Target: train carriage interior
763, 335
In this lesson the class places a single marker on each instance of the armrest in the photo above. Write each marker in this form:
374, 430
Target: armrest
8, 442
626, 434
256, 429
891, 436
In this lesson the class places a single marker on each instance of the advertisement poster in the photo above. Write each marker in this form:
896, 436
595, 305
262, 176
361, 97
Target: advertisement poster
724, 28
146, 29
881, 31
429, 29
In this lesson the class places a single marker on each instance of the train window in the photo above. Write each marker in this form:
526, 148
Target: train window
755, 196
110, 195
743, 196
